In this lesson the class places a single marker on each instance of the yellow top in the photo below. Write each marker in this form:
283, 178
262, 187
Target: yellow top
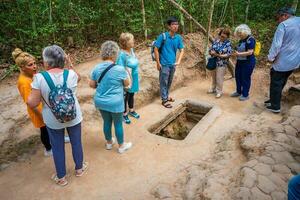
24, 87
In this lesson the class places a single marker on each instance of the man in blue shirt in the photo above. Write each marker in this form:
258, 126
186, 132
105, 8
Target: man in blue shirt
284, 55
165, 50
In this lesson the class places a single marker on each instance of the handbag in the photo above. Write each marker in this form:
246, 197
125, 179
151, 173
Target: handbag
211, 63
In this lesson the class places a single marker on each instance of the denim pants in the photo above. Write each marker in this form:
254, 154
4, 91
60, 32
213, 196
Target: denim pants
57, 140
294, 188
166, 75
117, 118
278, 81
243, 72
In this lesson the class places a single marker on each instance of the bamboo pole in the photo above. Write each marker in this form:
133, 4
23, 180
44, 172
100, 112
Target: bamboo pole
211, 11
144, 20
295, 4
247, 11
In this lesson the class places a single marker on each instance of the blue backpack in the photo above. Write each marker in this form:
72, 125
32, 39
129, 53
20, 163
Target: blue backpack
153, 46
61, 99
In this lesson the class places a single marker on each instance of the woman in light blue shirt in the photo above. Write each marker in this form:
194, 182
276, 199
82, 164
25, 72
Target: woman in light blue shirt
109, 81
128, 59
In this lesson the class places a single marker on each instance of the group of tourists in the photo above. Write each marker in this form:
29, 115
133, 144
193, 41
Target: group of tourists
51, 95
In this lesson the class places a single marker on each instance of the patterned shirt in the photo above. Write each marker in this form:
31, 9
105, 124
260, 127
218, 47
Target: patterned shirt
222, 48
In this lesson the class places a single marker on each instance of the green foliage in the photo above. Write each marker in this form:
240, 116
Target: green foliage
33, 24
9, 71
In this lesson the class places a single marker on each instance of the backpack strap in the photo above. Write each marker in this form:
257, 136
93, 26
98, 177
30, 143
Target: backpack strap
65, 75
48, 79
105, 71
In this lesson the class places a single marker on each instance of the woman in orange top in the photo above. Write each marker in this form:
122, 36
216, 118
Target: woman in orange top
28, 68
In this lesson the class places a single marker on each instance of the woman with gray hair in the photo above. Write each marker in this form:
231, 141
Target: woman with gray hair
56, 88
109, 81
245, 62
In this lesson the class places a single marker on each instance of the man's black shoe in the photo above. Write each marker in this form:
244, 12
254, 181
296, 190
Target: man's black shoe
272, 109
267, 103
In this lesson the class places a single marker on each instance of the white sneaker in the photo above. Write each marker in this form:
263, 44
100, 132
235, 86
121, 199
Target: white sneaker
110, 146
211, 91
218, 95
67, 139
48, 153
125, 147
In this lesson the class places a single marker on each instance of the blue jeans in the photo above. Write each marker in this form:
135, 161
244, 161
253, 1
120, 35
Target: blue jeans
294, 188
243, 72
58, 148
117, 118
166, 75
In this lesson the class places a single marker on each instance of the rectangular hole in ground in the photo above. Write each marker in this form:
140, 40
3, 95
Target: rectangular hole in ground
178, 124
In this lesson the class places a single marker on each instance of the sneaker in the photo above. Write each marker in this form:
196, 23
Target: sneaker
267, 103
125, 147
211, 91
48, 153
235, 94
110, 146
242, 98
218, 95
272, 109
67, 139
134, 114
126, 119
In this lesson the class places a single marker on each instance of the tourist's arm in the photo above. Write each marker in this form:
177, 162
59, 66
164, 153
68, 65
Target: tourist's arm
34, 98
181, 52
276, 43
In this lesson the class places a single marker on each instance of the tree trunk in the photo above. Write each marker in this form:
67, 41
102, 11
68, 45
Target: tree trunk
232, 13
190, 21
295, 4
211, 11
247, 11
223, 13
144, 20
202, 29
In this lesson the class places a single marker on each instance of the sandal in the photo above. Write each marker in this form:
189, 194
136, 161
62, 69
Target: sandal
59, 181
166, 104
82, 170
171, 99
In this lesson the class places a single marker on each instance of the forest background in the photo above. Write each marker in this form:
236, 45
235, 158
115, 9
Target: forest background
33, 24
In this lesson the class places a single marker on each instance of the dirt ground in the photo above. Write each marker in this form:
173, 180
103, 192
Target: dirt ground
233, 159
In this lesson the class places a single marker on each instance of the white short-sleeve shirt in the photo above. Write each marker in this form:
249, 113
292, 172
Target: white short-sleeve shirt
40, 83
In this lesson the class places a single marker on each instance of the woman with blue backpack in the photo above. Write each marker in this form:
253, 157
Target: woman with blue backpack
220, 51
56, 88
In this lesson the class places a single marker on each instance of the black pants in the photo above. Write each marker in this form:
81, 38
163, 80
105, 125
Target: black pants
128, 100
278, 81
45, 138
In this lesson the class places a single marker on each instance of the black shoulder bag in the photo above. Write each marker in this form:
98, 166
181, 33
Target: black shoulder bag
105, 71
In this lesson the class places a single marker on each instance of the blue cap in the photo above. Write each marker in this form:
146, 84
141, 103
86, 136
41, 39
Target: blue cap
286, 10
